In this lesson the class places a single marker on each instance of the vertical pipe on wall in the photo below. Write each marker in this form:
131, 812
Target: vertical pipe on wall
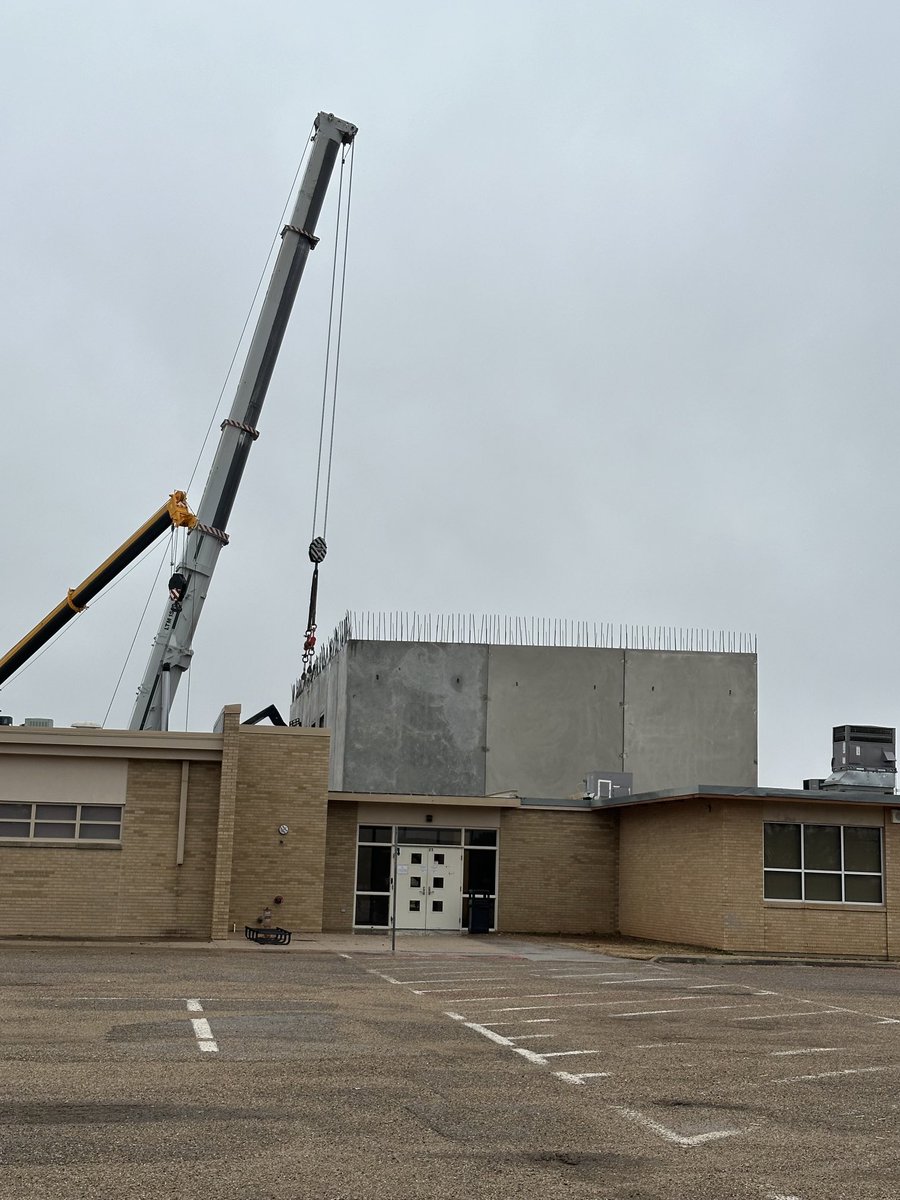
182, 812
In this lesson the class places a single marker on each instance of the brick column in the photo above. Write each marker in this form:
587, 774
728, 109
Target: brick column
229, 724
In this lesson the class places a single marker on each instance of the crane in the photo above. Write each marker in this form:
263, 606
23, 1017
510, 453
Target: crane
171, 652
174, 513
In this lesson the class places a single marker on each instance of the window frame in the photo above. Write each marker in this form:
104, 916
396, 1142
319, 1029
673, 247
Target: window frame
841, 873
31, 839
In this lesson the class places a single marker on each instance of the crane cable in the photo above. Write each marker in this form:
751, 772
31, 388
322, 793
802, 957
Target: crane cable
318, 547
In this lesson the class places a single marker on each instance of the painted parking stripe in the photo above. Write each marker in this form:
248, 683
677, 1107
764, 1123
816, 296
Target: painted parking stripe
202, 1031
529, 1021
581, 1077
808, 1050
831, 1074
652, 1012
528, 996
669, 1134
823, 1012
568, 1053
499, 1039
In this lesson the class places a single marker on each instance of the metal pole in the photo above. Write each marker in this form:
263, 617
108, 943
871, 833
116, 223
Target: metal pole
394, 858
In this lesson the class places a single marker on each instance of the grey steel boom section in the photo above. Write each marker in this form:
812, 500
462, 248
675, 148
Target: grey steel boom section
171, 653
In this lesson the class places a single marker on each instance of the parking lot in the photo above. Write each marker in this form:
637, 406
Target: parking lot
532, 1072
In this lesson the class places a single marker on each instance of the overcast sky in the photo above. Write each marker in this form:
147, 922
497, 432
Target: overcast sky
620, 336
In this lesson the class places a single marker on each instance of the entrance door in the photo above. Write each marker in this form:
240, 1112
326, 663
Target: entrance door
429, 887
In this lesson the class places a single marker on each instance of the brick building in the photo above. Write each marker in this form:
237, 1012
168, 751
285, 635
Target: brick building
108, 833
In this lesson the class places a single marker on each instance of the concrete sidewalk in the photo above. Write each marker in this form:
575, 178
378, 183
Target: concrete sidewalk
531, 947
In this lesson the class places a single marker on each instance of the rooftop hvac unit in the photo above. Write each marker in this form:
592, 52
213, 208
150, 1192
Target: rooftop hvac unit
38, 722
864, 758
4, 720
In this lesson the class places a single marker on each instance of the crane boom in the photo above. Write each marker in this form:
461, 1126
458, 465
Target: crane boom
174, 512
172, 649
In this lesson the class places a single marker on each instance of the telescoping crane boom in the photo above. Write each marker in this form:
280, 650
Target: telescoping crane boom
171, 654
174, 512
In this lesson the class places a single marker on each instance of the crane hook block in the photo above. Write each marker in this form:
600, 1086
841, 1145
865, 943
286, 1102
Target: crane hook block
317, 550
177, 587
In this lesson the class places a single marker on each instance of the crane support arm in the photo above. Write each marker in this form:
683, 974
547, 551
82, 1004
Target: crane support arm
174, 512
172, 648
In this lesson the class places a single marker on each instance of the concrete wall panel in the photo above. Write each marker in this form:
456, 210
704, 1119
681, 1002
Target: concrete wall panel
690, 719
554, 713
326, 694
415, 718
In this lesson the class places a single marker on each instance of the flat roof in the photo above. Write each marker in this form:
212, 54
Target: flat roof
850, 796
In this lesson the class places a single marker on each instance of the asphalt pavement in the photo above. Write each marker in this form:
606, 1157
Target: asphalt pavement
516, 1070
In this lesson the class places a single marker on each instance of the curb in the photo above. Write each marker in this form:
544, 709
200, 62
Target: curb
711, 961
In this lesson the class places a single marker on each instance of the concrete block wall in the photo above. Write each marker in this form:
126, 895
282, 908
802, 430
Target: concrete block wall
558, 872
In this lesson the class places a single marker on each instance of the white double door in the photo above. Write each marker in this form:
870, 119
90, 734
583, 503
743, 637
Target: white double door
428, 891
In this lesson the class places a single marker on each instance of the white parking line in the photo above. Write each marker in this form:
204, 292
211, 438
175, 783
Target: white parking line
568, 1077
202, 1031
529, 1037
831, 1074
669, 1134
808, 1050
524, 1021
823, 1012
528, 996
588, 974
652, 1012
455, 979
568, 1053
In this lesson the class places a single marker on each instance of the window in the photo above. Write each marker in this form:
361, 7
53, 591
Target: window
481, 837
61, 822
428, 835
375, 833
373, 874
837, 863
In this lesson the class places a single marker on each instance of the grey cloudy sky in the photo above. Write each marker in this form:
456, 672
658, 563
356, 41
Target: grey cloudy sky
619, 344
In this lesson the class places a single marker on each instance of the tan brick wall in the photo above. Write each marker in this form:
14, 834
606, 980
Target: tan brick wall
282, 779
743, 916
671, 872
557, 872
340, 866
135, 890
692, 871
194, 878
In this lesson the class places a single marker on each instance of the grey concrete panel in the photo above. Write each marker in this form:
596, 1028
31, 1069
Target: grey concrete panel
327, 694
554, 713
415, 718
690, 718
